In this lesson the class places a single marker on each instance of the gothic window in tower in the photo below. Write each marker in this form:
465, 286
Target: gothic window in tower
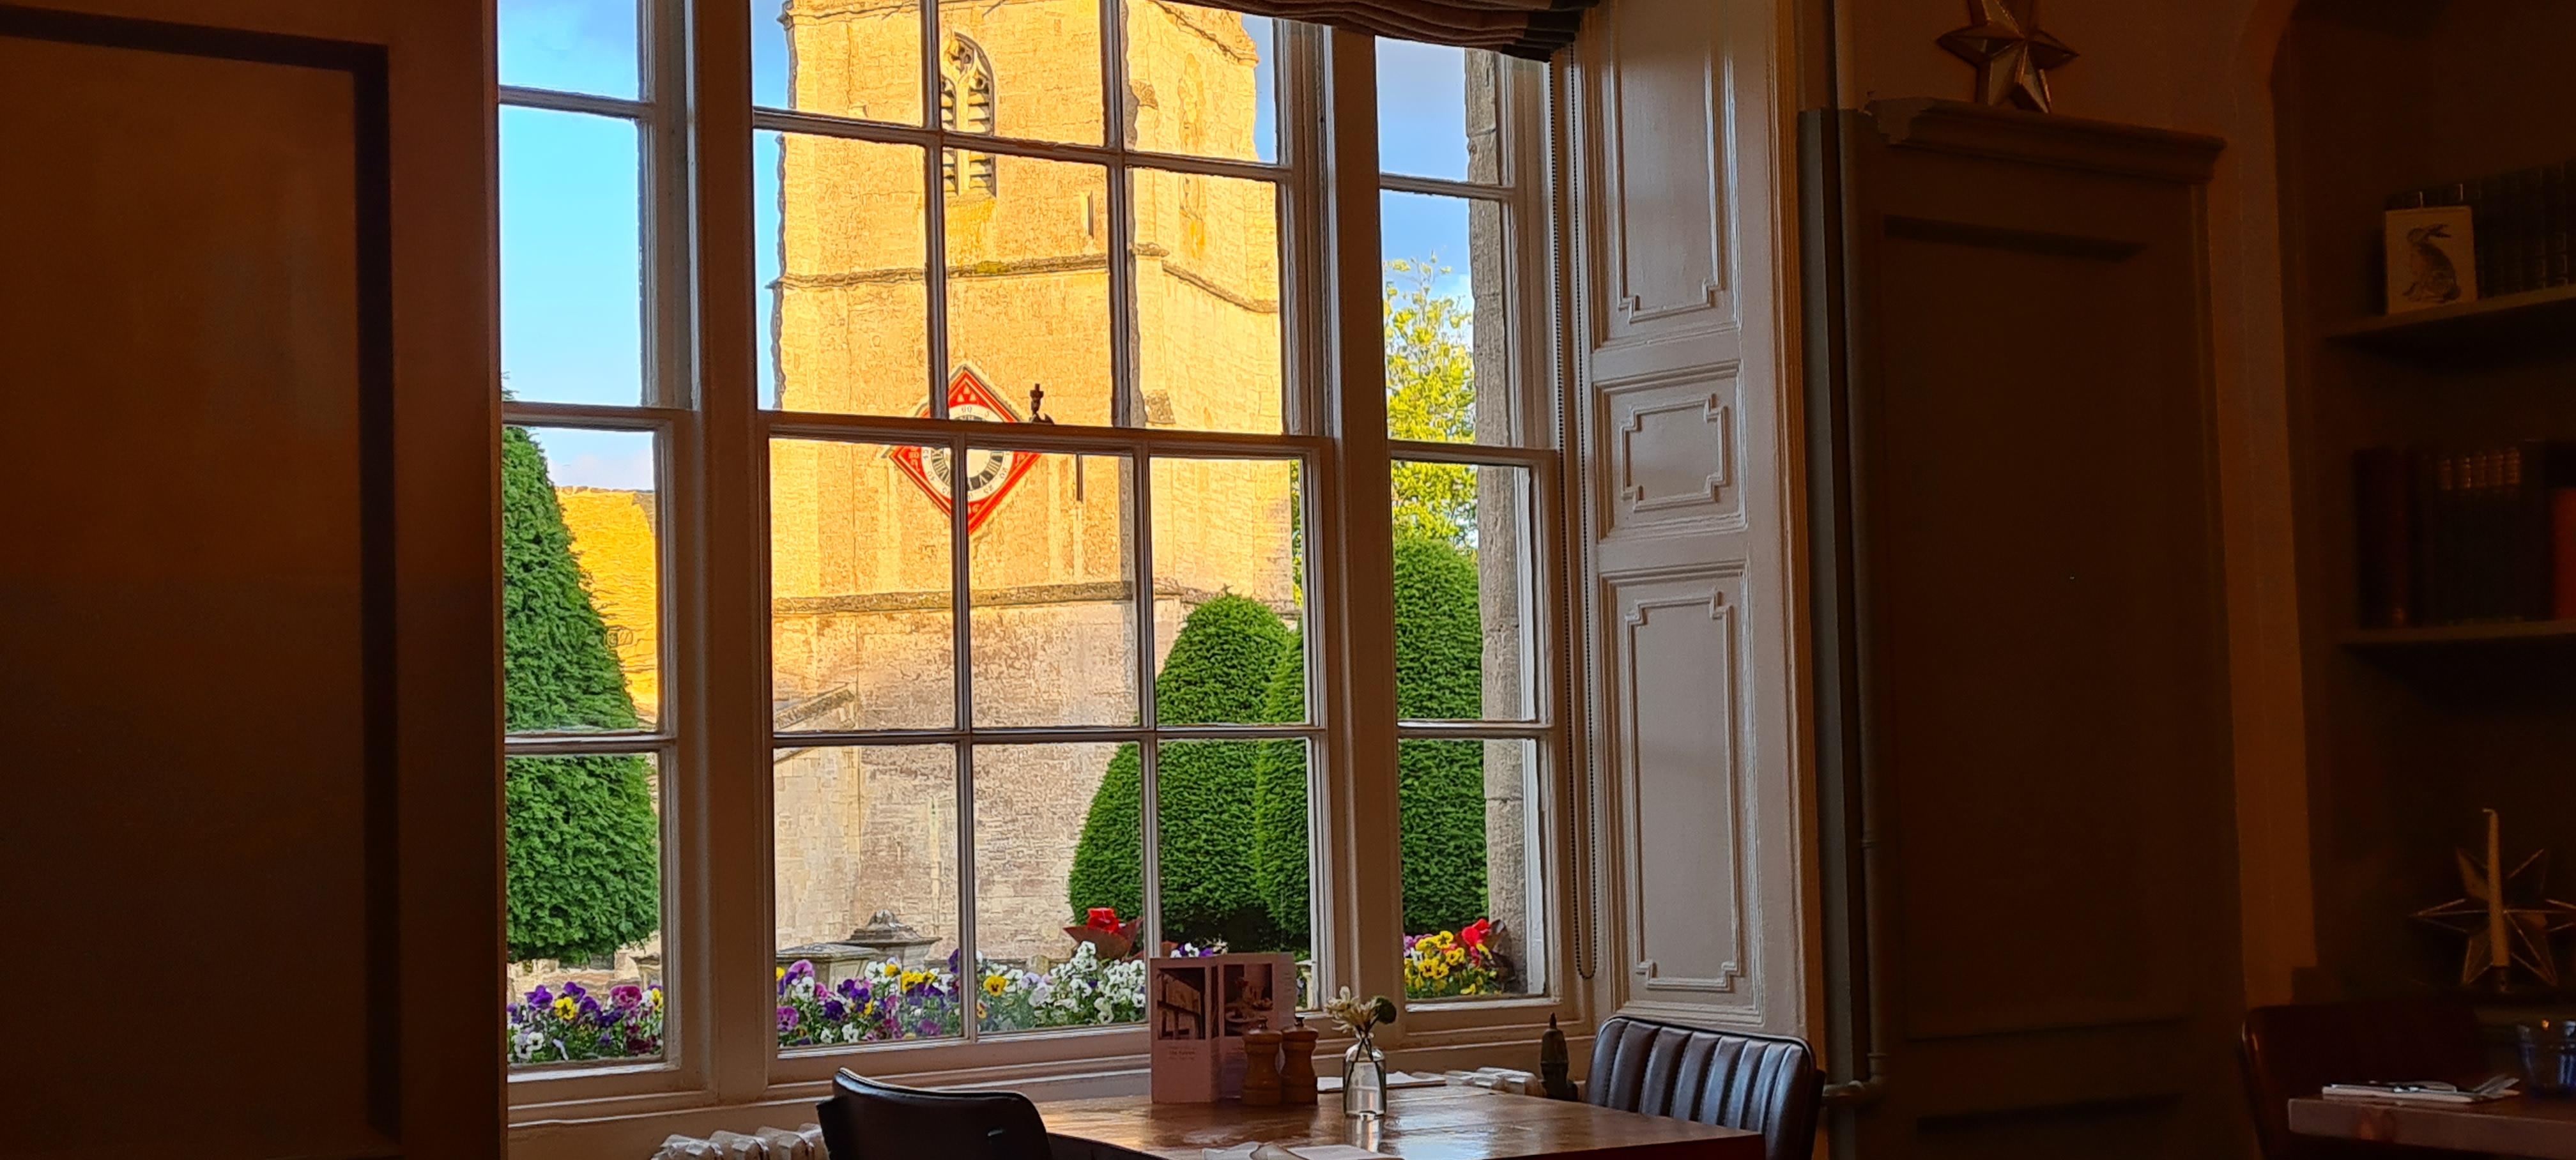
965, 106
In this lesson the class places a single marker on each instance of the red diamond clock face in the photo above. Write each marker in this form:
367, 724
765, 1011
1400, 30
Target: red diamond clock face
990, 475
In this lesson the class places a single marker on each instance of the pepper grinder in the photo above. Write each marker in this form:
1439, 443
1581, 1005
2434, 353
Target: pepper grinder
1261, 1068
1297, 1079
1553, 1062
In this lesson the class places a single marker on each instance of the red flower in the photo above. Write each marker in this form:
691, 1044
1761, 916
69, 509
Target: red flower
1473, 934
1105, 918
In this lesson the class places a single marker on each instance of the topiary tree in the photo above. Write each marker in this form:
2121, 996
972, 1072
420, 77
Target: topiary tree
1205, 788
1439, 658
583, 873
1280, 873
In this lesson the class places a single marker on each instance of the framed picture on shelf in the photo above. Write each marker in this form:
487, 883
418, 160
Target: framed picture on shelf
2432, 257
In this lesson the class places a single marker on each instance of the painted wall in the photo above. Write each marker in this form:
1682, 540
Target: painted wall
2206, 68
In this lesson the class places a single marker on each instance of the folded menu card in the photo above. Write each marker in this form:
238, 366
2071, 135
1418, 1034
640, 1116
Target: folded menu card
2421, 1091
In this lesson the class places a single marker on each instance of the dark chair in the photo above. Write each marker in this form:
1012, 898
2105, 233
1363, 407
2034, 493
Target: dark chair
2293, 1052
1760, 1083
867, 1120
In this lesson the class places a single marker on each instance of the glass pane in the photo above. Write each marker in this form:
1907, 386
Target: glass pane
841, 261
580, 581
1471, 849
1462, 614
1448, 353
866, 894
577, 46
1056, 901
584, 884
1437, 111
838, 59
861, 628
1021, 70
572, 259
1053, 568
1229, 595
1201, 81
1207, 302
1222, 892
1028, 282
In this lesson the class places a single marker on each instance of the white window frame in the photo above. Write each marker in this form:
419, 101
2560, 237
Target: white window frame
714, 738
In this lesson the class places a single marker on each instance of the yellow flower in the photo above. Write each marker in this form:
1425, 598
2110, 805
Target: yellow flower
995, 985
782, 975
1454, 955
913, 979
565, 1008
657, 998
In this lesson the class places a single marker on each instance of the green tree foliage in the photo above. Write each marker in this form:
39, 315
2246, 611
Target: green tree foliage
582, 863
1205, 788
1430, 396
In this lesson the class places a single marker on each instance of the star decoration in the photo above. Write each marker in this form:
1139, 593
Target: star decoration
2528, 926
2011, 54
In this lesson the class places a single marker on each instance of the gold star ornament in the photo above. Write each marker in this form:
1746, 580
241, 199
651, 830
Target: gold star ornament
2011, 54
2509, 917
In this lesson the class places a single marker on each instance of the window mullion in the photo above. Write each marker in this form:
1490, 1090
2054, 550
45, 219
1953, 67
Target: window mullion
719, 954
962, 652
1149, 834
1360, 822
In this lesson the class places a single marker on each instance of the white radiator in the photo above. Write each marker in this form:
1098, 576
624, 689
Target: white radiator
804, 1143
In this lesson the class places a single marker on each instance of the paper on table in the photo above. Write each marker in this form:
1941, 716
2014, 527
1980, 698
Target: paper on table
1256, 1151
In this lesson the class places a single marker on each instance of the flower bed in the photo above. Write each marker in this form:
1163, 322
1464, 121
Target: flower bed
549, 1025
1444, 964
892, 1002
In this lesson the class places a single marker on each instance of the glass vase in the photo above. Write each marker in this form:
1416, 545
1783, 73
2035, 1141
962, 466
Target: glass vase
1364, 1079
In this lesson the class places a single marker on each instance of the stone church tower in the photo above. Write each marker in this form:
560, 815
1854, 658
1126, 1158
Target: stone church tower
860, 568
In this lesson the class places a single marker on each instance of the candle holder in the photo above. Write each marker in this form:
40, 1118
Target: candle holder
2507, 915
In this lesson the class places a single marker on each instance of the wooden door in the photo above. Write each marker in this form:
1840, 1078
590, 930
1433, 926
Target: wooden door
2034, 932
247, 629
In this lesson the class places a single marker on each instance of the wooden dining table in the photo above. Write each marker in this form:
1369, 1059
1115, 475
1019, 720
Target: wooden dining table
2521, 1126
1429, 1123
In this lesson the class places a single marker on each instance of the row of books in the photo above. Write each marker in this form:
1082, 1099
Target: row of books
2521, 222
2460, 537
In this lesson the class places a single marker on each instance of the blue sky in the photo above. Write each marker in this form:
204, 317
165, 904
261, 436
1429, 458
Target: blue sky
571, 266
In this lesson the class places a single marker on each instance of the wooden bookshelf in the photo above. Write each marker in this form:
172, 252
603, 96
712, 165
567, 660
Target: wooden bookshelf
2411, 732
2509, 326
2526, 632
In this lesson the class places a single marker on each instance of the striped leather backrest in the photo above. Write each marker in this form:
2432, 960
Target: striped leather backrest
1759, 1083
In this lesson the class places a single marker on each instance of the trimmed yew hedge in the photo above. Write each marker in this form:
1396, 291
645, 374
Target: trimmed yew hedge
1234, 820
583, 868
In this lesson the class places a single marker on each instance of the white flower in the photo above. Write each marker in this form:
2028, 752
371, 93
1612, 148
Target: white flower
829, 1035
